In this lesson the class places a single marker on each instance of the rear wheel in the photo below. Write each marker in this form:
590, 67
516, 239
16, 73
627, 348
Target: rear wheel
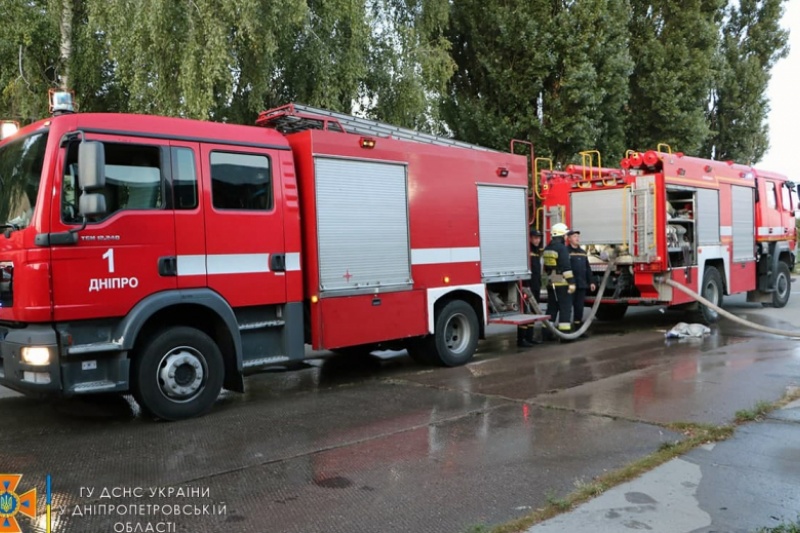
178, 373
421, 350
711, 289
456, 333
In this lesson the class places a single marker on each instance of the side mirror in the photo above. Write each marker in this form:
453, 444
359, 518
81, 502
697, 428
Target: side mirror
92, 204
91, 166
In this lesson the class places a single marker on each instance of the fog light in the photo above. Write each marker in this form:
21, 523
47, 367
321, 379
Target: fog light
36, 355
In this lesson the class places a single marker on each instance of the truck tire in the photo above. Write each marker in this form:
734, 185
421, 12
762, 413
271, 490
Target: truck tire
611, 312
455, 337
711, 289
178, 373
783, 286
421, 350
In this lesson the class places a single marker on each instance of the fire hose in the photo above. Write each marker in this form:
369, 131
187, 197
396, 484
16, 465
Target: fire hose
728, 315
576, 334
588, 322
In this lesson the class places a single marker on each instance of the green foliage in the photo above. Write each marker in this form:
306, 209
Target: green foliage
568, 76
674, 43
28, 58
553, 73
409, 62
752, 42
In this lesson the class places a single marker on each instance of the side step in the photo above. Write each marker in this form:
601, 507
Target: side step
518, 319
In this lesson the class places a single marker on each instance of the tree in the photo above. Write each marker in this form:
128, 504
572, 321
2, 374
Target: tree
674, 45
409, 62
325, 61
200, 58
29, 56
548, 71
752, 41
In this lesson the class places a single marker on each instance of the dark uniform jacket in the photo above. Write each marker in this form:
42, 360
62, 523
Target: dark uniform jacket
556, 262
580, 267
536, 267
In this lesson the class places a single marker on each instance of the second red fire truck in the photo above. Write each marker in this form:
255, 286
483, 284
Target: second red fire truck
715, 227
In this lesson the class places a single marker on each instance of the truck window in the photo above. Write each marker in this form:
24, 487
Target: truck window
772, 195
184, 178
240, 181
133, 180
21, 163
786, 198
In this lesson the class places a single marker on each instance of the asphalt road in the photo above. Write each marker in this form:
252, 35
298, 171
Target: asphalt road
385, 445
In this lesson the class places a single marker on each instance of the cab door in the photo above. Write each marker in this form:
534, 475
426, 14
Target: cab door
190, 226
245, 248
769, 218
119, 256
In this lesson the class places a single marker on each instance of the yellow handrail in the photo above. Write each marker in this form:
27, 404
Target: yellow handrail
536, 174
586, 155
669, 149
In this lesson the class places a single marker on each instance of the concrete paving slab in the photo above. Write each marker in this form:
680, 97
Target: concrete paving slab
750, 481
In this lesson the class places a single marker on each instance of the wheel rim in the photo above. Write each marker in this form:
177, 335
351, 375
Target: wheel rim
711, 293
182, 374
782, 286
457, 333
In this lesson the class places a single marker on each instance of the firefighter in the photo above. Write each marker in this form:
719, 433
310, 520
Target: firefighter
525, 333
560, 283
583, 277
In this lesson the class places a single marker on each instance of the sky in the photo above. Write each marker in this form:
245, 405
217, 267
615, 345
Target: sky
784, 95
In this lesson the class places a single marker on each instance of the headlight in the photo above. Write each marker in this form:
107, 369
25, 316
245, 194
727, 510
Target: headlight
36, 355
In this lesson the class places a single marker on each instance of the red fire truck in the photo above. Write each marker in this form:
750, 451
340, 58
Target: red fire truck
713, 226
170, 257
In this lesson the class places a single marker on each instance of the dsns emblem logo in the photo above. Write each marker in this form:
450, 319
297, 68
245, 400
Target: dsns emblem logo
12, 504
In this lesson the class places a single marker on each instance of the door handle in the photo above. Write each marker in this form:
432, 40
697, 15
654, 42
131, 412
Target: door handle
277, 262
168, 266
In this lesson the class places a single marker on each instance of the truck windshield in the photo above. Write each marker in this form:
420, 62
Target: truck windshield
21, 163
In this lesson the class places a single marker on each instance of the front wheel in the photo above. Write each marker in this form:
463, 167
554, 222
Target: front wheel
178, 373
783, 286
456, 333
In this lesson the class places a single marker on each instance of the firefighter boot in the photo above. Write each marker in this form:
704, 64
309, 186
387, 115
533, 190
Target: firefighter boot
530, 336
564, 327
522, 333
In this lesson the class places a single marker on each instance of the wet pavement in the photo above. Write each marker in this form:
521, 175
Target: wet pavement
385, 445
748, 482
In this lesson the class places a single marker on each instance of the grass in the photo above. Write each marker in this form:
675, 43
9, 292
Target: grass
793, 527
756, 413
694, 435
478, 528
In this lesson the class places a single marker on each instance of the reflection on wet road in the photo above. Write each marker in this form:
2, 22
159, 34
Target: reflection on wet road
385, 445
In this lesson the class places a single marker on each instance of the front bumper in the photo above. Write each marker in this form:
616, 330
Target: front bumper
20, 376
80, 373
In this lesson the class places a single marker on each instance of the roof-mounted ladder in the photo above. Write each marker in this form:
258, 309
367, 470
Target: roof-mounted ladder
292, 118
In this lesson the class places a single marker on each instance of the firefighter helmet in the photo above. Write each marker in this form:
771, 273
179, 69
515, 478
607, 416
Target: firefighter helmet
559, 230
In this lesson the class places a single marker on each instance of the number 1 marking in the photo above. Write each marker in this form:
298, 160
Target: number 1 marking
110, 256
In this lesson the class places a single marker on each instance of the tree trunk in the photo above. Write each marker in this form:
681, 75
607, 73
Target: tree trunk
67, 11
